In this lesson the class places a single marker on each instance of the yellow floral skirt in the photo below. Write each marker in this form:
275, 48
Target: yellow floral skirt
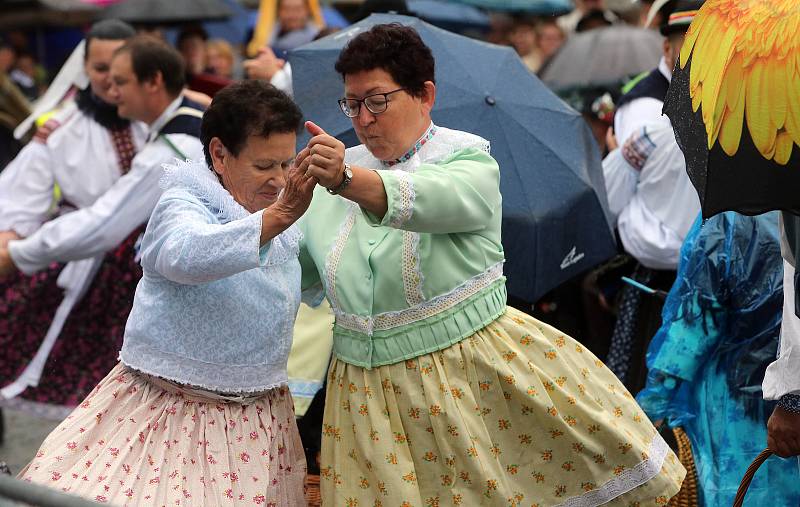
517, 414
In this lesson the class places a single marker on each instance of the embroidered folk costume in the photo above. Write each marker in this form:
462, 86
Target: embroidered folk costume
438, 393
63, 322
198, 411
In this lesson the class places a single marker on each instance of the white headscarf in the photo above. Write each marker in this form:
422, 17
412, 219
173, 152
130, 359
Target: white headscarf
71, 74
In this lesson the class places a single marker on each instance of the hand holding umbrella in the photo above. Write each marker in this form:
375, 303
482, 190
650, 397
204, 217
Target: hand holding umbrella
264, 65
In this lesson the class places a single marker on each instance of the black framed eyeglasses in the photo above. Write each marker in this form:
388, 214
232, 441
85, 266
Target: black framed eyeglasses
376, 103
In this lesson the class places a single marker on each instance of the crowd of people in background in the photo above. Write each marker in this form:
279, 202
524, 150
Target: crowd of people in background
693, 347
535, 38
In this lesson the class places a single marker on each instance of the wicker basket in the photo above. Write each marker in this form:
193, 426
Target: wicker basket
313, 496
687, 496
748, 476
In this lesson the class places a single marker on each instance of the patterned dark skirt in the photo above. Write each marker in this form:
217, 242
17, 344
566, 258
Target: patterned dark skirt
89, 343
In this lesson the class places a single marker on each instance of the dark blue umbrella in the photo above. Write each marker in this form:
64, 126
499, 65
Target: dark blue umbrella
537, 7
555, 219
450, 16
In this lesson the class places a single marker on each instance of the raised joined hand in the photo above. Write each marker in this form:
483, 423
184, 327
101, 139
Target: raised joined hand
295, 198
323, 157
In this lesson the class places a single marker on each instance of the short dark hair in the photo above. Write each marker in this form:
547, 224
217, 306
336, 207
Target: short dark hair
108, 29
595, 18
244, 109
149, 56
395, 48
189, 31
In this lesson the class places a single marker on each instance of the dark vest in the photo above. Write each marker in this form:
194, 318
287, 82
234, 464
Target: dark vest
654, 86
186, 120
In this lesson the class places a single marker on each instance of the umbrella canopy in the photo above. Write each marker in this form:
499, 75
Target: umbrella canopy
20, 14
555, 223
537, 7
734, 103
450, 16
173, 11
604, 56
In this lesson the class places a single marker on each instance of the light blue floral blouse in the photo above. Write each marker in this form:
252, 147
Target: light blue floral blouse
213, 309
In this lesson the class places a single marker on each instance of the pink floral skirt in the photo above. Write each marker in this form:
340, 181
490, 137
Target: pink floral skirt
139, 441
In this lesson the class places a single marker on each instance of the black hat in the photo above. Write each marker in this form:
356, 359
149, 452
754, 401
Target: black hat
679, 18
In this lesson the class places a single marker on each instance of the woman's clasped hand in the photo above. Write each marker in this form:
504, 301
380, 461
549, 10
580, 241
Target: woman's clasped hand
296, 196
323, 157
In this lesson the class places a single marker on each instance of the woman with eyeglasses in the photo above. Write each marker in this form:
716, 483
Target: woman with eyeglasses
438, 393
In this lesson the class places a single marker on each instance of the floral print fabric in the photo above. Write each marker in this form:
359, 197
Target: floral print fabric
517, 414
131, 442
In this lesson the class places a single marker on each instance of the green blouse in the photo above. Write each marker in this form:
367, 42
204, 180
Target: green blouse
427, 275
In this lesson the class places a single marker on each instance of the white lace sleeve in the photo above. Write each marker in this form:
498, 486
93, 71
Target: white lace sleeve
185, 245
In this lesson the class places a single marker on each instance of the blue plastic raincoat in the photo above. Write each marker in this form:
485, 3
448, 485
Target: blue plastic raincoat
720, 330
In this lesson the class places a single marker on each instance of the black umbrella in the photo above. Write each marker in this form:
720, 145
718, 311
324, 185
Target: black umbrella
555, 223
18, 14
159, 12
734, 106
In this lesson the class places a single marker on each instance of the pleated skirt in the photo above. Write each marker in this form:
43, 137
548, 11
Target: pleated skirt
517, 414
136, 440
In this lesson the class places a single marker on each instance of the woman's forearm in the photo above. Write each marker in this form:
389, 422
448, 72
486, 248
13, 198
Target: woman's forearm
291, 204
367, 190
273, 222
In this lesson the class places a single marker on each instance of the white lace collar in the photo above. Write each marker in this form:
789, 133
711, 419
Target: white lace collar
200, 181
436, 148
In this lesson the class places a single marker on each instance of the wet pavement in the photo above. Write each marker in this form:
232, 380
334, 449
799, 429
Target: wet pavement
23, 435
